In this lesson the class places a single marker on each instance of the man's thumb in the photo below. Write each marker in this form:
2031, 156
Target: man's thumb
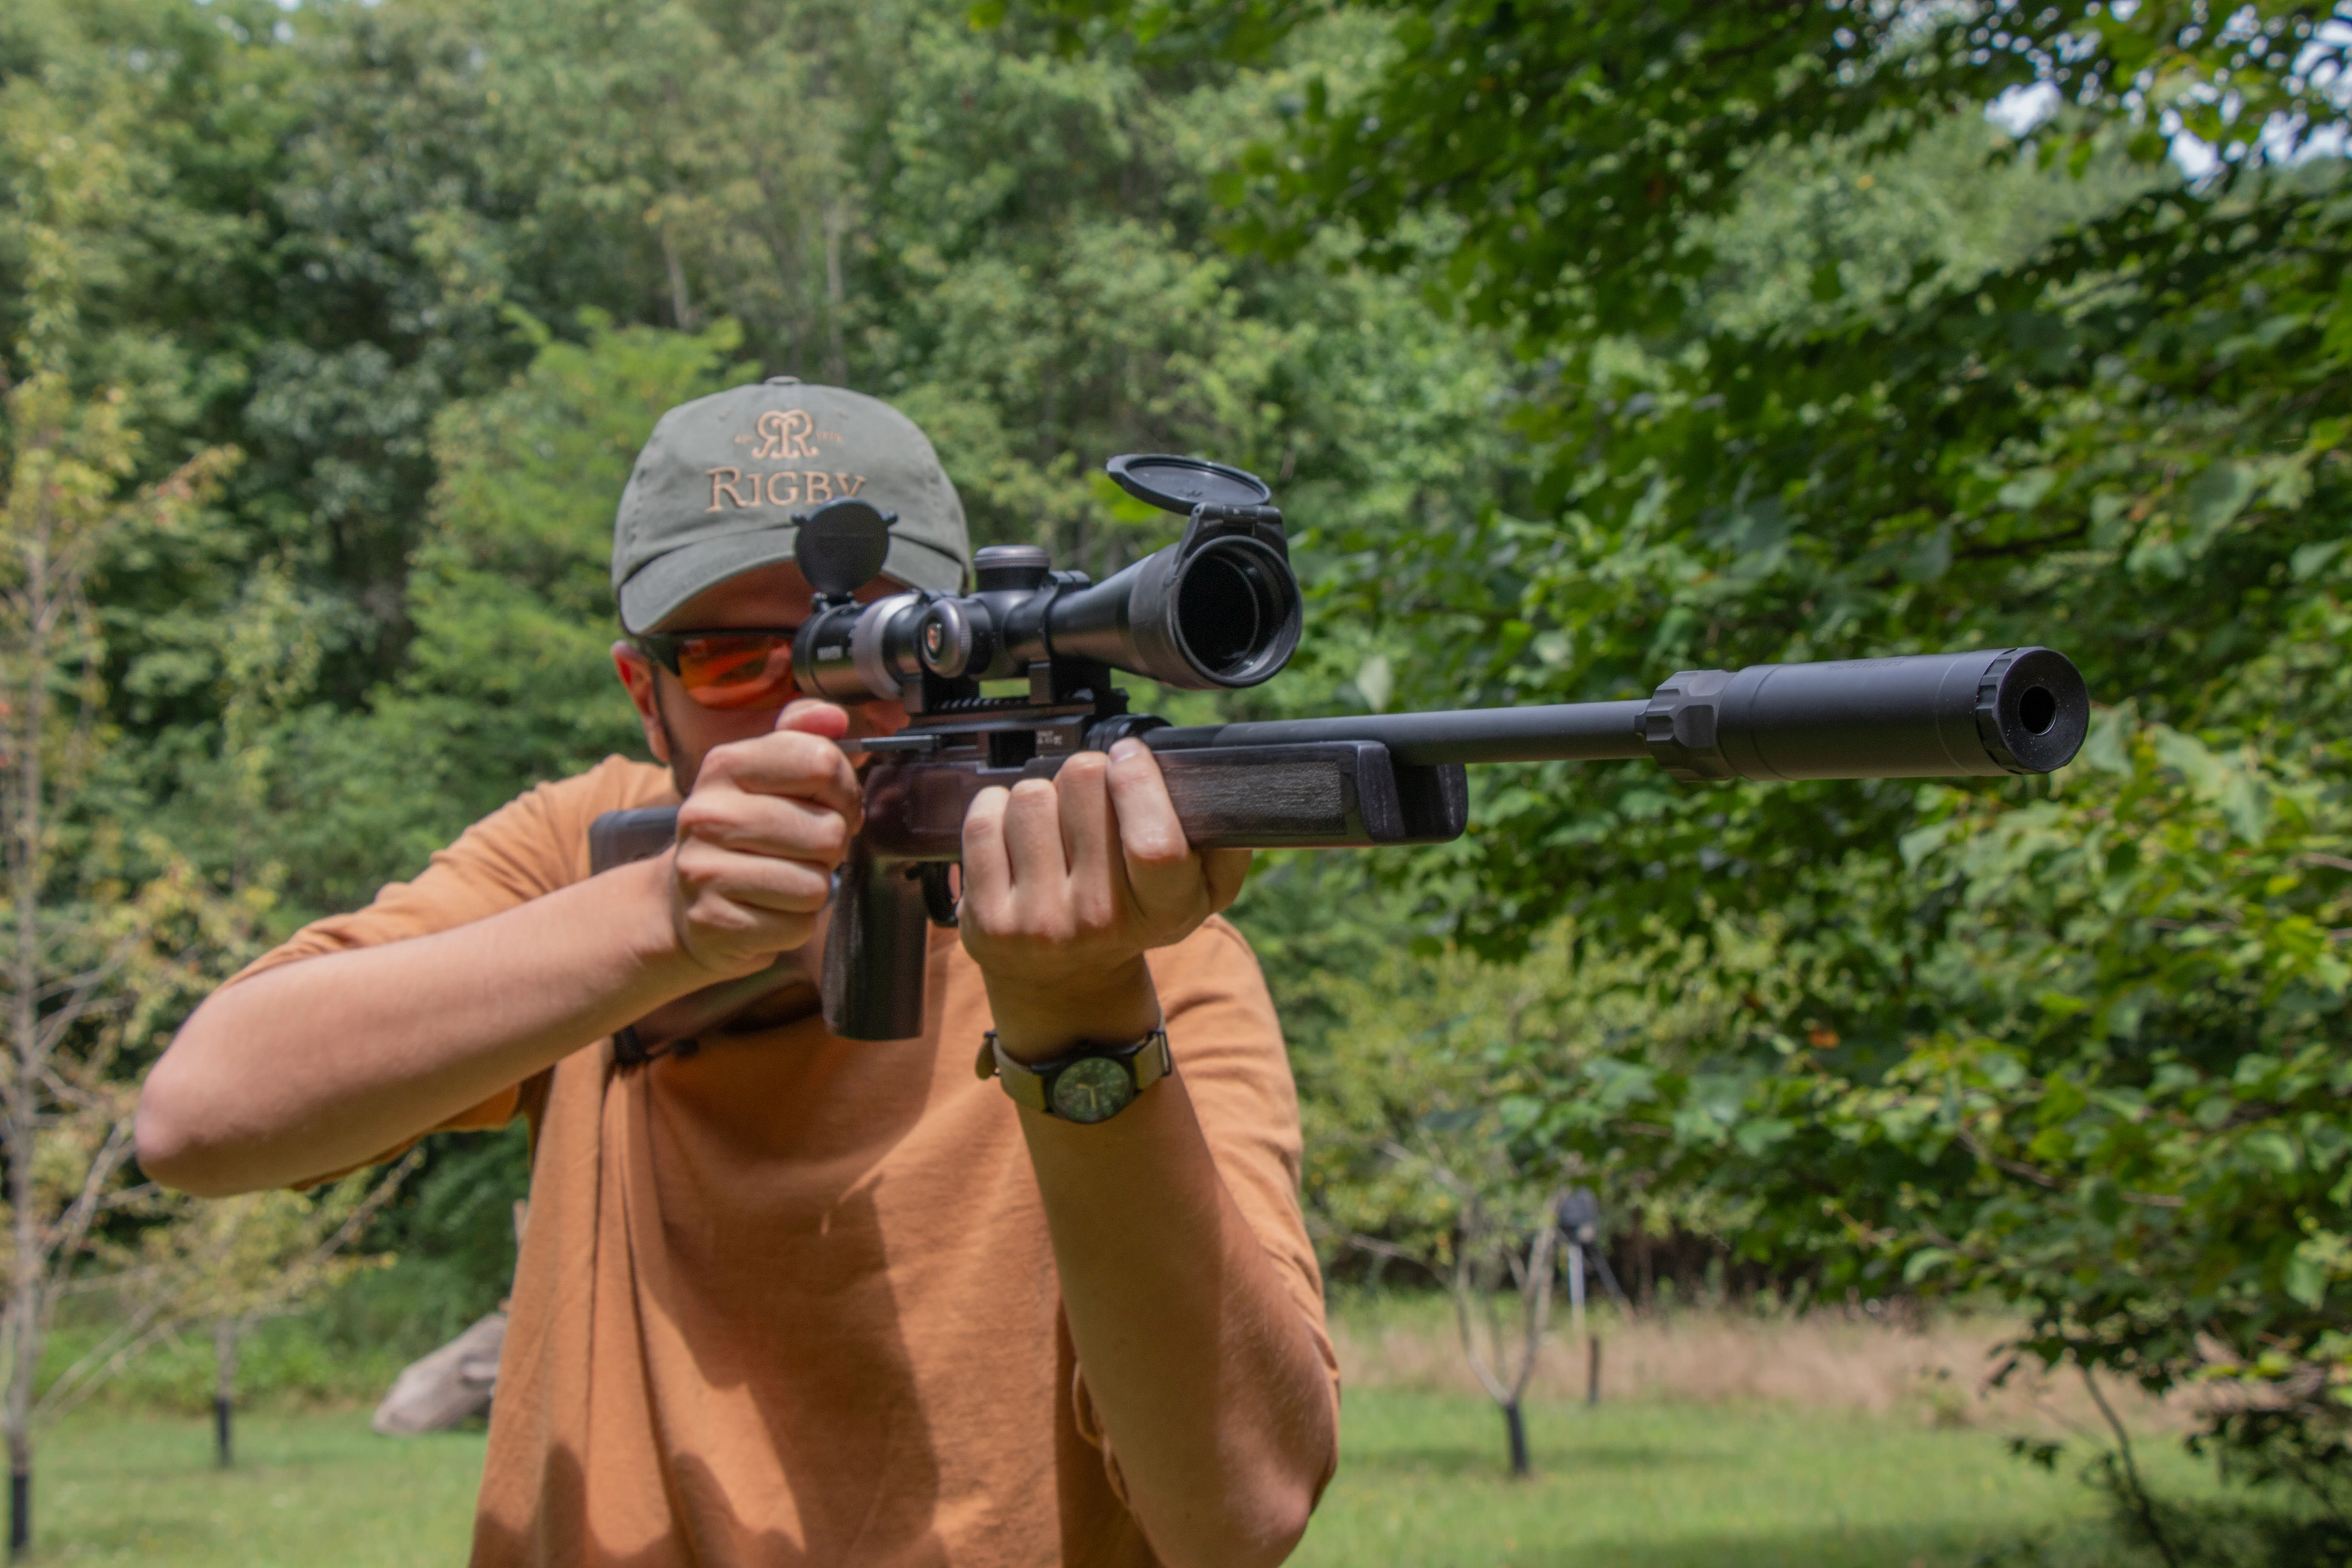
813, 717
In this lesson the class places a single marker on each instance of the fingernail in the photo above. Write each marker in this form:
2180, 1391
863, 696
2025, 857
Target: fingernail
1128, 747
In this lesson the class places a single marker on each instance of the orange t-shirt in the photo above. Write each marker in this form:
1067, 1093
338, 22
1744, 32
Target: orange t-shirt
792, 1299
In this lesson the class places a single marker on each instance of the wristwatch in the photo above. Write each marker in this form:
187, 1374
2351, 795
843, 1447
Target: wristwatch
1092, 1083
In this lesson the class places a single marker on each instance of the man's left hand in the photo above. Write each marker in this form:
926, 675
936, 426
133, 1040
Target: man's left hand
1068, 882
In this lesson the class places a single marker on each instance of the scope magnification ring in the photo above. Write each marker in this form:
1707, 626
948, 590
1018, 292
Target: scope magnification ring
869, 649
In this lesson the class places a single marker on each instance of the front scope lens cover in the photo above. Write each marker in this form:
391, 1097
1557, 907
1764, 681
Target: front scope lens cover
1178, 484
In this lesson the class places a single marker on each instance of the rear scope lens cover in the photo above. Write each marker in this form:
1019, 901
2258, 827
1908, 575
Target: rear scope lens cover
842, 545
1179, 484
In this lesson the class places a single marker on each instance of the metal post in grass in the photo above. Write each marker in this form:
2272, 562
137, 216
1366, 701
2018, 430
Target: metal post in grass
224, 1334
1577, 1331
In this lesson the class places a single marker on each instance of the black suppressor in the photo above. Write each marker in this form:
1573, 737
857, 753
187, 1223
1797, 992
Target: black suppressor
1938, 715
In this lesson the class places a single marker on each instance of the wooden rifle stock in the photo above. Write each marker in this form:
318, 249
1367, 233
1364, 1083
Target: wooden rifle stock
1325, 795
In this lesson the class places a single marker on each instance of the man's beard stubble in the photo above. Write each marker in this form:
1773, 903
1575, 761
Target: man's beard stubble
680, 781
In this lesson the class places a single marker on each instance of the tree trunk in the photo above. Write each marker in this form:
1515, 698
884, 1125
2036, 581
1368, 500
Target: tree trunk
20, 1498
1515, 1424
224, 1388
836, 296
1592, 1369
681, 303
23, 1025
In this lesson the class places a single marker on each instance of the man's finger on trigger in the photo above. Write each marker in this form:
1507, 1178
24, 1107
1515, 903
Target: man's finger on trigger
987, 875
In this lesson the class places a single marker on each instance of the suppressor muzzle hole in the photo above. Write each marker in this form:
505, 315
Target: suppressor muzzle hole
2037, 709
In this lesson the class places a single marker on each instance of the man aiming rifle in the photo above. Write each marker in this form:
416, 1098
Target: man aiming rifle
791, 1298
800, 1282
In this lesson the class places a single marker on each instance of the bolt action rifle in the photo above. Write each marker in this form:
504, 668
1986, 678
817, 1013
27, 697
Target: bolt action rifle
1221, 608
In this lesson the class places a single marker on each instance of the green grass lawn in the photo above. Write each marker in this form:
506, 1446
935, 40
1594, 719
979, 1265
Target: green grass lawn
309, 1491
1422, 1484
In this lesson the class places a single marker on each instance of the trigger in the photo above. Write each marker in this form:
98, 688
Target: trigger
939, 899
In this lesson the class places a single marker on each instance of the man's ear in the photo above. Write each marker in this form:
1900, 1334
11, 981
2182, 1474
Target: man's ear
636, 673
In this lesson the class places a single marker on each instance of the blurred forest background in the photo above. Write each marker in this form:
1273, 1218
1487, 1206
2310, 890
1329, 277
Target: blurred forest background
1582, 345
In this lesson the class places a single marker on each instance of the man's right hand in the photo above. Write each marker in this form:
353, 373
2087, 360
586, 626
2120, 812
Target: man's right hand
758, 839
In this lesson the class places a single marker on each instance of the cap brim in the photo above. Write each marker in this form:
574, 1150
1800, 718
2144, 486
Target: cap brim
664, 584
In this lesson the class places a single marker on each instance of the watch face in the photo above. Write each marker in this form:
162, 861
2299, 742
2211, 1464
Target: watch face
1095, 1089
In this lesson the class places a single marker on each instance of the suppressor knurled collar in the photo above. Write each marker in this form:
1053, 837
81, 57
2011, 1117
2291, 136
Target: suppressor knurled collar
1682, 725
1989, 710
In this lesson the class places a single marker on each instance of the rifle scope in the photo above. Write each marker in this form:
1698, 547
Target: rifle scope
1220, 607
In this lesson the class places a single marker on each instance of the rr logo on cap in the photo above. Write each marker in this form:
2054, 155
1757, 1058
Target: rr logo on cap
787, 433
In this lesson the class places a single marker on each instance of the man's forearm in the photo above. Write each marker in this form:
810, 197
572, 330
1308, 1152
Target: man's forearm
328, 1062
1206, 1377
1204, 1372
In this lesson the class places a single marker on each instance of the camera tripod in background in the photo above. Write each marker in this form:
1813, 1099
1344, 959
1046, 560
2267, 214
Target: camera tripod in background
1577, 1215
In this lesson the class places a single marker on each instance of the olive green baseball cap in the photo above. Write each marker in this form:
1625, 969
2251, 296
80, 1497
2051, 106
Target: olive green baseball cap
716, 489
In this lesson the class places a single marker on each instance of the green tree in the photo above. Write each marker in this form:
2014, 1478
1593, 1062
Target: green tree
93, 961
411, 261
1996, 1037
238, 1261
1413, 1157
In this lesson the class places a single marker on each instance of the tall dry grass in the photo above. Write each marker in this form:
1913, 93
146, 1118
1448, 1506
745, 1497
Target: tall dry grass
1939, 1370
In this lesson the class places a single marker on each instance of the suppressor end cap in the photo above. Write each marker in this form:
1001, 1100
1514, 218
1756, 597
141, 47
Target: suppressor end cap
2032, 710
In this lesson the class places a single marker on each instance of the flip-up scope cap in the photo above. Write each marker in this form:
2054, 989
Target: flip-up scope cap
1178, 484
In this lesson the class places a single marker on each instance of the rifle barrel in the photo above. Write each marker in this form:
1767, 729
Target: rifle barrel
1942, 715
1559, 733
